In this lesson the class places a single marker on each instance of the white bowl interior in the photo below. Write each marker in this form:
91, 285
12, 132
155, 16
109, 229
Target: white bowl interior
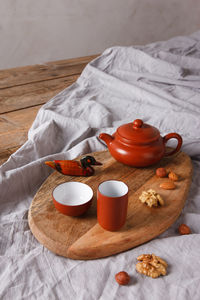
113, 188
72, 193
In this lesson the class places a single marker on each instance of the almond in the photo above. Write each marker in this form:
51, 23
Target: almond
168, 185
161, 172
173, 176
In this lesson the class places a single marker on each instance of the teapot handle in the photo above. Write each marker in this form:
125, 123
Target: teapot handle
173, 136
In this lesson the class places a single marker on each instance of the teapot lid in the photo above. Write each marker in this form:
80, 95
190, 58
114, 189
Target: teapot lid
138, 132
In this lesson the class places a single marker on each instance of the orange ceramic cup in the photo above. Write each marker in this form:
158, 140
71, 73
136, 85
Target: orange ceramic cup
112, 203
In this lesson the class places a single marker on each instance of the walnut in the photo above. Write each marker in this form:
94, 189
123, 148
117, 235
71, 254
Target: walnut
151, 265
151, 198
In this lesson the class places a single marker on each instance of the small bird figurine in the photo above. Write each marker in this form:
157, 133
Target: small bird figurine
73, 167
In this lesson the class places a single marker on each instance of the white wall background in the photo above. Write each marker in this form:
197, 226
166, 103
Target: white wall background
36, 31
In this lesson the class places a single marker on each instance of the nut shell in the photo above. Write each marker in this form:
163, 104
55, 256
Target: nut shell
161, 172
184, 229
122, 278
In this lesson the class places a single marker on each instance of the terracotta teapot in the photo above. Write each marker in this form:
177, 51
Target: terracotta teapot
138, 144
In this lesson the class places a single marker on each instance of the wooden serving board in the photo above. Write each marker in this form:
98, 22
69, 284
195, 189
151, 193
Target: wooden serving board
82, 237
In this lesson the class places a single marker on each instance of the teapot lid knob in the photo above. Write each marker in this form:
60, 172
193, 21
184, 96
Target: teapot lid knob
137, 124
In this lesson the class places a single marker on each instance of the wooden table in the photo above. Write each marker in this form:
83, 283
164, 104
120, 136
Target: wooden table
24, 90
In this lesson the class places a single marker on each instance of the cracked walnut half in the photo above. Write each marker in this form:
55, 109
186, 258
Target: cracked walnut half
151, 198
151, 265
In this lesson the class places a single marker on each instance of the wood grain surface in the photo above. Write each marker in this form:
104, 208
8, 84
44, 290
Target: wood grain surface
22, 92
82, 237
37, 73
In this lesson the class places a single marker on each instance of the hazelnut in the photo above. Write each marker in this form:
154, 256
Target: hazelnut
184, 229
122, 278
161, 172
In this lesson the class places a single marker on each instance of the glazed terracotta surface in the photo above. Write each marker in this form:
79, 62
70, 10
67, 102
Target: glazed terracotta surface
72, 198
112, 203
82, 237
138, 144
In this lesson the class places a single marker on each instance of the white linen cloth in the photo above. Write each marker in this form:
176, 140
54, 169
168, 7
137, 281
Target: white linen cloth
159, 83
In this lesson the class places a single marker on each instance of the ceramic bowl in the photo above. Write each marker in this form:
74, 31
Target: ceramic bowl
72, 198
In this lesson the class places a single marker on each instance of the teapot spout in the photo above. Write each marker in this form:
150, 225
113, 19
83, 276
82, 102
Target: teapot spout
107, 138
